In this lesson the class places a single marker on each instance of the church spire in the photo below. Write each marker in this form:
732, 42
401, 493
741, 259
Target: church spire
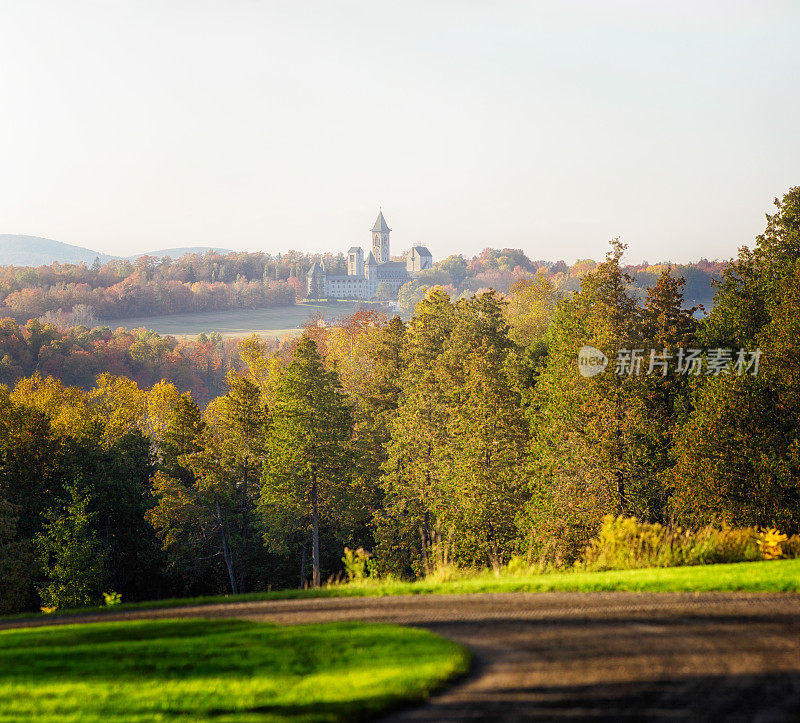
380, 239
380, 224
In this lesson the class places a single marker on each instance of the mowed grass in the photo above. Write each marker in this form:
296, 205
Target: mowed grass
273, 322
225, 670
770, 576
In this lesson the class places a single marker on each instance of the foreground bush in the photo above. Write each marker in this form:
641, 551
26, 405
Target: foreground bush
625, 543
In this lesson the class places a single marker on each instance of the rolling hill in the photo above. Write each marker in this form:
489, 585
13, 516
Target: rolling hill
19, 250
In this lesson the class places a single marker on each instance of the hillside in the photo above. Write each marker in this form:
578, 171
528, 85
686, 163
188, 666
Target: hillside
21, 250
18, 250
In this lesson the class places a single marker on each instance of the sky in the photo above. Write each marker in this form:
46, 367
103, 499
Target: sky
258, 125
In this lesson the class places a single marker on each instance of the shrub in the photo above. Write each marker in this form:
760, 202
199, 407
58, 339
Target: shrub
791, 547
521, 566
625, 542
358, 564
517, 565
769, 541
111, 599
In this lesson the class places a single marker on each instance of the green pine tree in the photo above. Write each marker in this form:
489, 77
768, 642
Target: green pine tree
738, 456
482, 480
667, 328
408, 530
586, 431
311, 454
228, 469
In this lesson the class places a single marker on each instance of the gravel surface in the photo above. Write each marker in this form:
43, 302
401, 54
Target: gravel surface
580, 656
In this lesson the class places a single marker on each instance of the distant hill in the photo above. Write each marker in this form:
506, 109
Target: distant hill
35, 251
20, 250
178, 252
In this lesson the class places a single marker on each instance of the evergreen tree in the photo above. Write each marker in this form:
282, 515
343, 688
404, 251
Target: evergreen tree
482, 465
310, 451
407, 529
587, 431
119, 485
668, 331
228, 468
738, 458
453, 474
377, 396
182, 437
188, 516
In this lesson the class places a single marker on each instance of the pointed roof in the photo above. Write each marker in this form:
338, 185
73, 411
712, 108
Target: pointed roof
315, 269
380, 224
371, 260
422, 251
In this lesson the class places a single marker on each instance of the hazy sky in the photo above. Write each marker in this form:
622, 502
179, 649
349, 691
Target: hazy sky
250, 124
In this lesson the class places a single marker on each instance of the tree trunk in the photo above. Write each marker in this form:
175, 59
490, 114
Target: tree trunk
303, 566
425, 539
226, 551
623, 506
620, 475
314, 533
245, 527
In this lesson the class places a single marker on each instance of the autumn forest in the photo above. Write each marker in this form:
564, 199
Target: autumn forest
462, 435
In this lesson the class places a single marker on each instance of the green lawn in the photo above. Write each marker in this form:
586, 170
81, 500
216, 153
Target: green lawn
227, 670
771, 576
273, 322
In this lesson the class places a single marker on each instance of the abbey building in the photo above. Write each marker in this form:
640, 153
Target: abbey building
377, 275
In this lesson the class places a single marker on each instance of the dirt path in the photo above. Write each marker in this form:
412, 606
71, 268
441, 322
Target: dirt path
583, 656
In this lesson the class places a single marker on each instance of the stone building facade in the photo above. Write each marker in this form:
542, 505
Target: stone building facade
365, 276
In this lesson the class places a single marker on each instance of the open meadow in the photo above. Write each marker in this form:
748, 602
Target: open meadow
273, 322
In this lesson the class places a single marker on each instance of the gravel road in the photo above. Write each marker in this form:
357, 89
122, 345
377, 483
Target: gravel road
581, 656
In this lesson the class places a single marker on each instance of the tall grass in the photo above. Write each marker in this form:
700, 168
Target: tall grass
622, 543
626, 543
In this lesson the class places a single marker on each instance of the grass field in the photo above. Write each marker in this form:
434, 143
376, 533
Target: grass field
230, 670
771, 576
275, 322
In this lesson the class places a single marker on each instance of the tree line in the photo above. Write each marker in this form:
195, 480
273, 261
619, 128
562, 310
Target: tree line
464, 436
79, 294
134, 296
500, 269
77, 355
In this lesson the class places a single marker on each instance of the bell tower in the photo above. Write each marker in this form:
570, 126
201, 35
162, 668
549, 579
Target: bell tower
380, 239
